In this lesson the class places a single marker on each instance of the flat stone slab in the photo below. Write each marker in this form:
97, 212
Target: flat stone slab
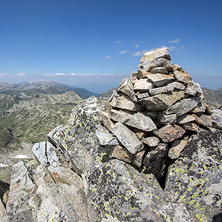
160, 79
137, 120
160, 90
185, 118
105, 138
161, 62
141, 121
161, 70
124, 102
142, 85
127, 138
182, 77
162, 101
155, 54
170, 133
183, 106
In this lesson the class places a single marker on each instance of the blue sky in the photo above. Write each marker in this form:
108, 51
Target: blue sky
93, 44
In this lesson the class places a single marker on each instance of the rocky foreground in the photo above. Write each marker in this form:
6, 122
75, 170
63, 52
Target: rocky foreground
156, 155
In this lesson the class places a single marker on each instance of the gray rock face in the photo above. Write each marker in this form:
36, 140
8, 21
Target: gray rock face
195, 179
127, 138
21, 190
127, 195
183, 106
217, 118
2, 213
77, 138
45, 153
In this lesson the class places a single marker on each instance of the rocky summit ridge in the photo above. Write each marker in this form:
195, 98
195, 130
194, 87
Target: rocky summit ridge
155, 155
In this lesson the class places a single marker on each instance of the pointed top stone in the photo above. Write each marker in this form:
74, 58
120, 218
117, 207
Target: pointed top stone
155, 54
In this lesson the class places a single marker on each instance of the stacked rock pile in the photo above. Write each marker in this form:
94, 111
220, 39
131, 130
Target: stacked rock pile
152, 116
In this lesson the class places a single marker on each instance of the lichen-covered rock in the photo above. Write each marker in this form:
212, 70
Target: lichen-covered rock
195, 179
77, 138
116, 190
22, 188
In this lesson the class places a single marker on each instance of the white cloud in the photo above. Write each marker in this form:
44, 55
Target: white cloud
107, 57
138, 53
12, 75
136, 46
171, 48
124, 51
20, 74
174, 41
118, 42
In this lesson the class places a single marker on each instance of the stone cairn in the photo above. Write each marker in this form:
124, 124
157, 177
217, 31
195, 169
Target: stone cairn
152, 116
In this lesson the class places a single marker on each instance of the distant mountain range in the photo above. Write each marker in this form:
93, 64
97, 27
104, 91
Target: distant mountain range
31, 118
33, 88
